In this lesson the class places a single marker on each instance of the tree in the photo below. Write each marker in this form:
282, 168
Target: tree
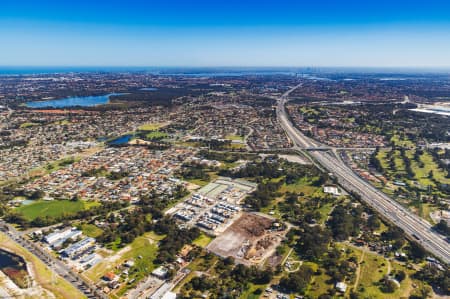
417, 251
297, 281
374, 222
37, 194
400, 276
443, 227
388, 285
313, 242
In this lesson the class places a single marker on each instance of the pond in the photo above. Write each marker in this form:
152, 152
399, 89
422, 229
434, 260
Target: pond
14, 267
122, 140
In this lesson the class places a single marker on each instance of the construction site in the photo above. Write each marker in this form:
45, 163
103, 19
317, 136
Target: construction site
250, 240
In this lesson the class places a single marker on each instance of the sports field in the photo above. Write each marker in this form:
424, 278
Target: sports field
54, 208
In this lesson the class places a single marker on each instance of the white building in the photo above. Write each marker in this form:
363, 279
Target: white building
341, 287
332, 190
58, 235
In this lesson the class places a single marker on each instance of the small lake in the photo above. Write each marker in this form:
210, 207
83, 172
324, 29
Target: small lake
88, 101
121, 140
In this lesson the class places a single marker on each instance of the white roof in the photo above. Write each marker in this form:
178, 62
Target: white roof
169, 295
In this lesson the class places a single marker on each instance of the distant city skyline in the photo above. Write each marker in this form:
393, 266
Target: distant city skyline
229, 33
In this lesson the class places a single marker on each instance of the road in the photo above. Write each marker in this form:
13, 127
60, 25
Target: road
414, 226
54, 264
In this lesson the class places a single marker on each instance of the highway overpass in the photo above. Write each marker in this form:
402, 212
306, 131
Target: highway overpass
414, 226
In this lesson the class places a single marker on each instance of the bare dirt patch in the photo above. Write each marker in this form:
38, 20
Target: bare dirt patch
249, 240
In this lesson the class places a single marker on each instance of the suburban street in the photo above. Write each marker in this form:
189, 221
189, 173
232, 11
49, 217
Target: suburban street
414, 226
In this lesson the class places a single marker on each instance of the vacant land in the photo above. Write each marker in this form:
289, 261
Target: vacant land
54, 208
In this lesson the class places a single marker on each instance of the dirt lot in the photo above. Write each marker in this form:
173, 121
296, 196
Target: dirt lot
250, 240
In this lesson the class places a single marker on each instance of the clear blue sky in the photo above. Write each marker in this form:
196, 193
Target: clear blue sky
225, 33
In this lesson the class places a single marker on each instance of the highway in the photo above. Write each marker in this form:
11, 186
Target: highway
414, 226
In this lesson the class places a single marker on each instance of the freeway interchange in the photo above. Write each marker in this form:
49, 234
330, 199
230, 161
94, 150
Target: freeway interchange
414, 226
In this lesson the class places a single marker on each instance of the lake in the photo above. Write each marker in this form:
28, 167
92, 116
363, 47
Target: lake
88, 101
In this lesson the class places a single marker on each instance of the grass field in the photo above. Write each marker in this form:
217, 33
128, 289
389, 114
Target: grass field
156, 135
91, 230
56, 165
234, 137
43, 275
203, 240
372, 270
143, 250
420, 173
54, 208
250, 292
62, 122
212, 176
152, 126
28, 125
302, 185
429, 165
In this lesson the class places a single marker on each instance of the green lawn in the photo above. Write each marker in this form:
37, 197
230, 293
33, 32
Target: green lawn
372, 271
28, 125
302, 185
234, 137
151, 126
421, 174
319, 285
250, 292
324, 211
203, 240
143, 250
56, 165
156, 135
54, 208
91, 230
212, 176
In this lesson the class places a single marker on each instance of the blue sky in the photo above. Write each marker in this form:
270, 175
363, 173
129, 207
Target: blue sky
225, 33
